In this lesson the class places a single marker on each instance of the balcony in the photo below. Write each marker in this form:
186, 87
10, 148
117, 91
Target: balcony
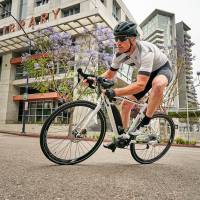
188, 58
160, 46
158, 40
187, 48
188, 54
158, 32
187, 36
189, 81
188, 63
155, 36
189, 72
188, 77
188, 67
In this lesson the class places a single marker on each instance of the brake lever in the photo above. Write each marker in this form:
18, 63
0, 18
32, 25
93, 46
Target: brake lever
90, 82
85, 77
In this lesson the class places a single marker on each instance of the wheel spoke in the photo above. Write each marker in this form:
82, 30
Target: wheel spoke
161, 132
61, 144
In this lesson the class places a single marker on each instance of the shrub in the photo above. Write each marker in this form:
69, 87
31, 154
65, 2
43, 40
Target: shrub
194, 142
180, 140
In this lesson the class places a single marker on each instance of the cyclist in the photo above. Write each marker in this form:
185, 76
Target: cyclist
154, 72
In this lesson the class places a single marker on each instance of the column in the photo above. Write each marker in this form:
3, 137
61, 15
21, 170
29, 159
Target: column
8, 109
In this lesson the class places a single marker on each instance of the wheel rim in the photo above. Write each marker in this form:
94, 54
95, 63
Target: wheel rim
64, 145
160, 136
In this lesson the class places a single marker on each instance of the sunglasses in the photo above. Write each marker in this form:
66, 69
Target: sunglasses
121, 38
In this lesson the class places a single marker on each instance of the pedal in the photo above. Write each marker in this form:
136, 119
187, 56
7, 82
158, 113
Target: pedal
111, 146
122, 143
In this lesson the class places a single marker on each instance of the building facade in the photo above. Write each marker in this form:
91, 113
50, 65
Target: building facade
187, 93
33, 15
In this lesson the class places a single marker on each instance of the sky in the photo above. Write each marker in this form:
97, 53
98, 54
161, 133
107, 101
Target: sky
187, 11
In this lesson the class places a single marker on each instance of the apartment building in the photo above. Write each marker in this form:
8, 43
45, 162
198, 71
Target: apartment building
187, 93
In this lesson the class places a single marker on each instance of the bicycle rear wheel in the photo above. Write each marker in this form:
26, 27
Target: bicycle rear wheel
155, 142
62, 138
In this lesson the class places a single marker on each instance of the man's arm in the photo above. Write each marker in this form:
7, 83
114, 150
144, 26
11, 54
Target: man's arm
109, 74
134, 88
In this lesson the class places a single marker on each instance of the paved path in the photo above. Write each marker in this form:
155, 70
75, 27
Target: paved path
27, 174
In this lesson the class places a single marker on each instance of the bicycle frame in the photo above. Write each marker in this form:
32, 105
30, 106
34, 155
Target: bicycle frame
104, 101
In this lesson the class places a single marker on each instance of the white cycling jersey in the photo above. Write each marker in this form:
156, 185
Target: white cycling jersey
147, 57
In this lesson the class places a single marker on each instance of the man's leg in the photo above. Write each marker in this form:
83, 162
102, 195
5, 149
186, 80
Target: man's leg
158, 86
126, 111
125, 115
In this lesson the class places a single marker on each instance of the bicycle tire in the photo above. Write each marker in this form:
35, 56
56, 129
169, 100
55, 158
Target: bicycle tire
133, 150
44, 131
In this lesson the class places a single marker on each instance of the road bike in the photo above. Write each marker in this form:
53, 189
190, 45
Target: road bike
74, 131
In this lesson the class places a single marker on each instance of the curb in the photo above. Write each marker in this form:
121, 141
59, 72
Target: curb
19, 134
34, 135
185, 145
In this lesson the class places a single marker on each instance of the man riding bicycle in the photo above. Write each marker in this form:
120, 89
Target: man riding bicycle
154, 72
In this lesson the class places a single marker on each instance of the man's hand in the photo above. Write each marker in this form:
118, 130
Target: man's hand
85, 81
110, 93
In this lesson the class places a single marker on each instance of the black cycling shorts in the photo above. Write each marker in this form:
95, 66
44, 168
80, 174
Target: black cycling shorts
164, 70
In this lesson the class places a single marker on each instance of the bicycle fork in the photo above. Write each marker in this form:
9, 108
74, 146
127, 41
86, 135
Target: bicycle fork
87, 119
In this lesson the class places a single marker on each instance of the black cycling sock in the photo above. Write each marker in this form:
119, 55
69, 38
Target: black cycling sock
145, 121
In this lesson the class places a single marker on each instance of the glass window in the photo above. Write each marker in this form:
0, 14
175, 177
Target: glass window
19, 72
39, 104
116, 10
41, 2
47, 105
33, 105
38, 111
7, 6
46, 111
31, 119
32, 111
23, 9
72, 10
39, 119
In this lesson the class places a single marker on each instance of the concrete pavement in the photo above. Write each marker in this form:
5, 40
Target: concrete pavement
27, 174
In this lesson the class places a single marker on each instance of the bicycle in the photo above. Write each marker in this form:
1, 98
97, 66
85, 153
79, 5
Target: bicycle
74, 131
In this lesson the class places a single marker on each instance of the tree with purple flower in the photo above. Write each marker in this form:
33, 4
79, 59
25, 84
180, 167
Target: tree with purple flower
92, 51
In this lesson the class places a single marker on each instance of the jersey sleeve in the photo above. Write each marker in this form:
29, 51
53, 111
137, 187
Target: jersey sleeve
116, 64
146, 64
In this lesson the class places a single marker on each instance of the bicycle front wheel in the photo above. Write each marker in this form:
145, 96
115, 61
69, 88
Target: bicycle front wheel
155, 141
67, 137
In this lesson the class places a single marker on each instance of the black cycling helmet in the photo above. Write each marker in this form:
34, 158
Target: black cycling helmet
126, 28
